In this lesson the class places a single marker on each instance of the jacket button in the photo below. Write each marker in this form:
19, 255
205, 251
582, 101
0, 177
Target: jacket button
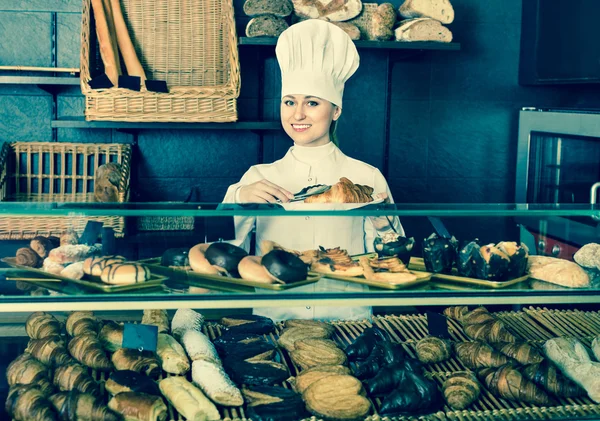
310, 179
307, 218
308, 307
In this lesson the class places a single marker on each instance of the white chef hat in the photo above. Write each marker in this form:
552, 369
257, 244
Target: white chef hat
316, 58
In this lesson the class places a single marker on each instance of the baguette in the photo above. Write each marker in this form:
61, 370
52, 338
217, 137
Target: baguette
188, 399
110, 19
132, 63
106, 46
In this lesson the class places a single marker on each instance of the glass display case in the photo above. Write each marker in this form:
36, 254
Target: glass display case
534, 303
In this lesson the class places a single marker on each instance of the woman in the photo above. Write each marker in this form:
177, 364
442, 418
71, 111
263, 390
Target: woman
316, 59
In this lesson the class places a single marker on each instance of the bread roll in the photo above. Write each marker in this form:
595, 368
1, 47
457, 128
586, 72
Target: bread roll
158, 318
352, 30
199, 347
188, 399
171, 355
279, 8
333, 11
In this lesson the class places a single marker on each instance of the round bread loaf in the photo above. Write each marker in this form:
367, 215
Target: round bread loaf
125, 273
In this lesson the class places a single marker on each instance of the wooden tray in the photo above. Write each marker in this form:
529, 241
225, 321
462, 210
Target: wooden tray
417, 263
422, 277
93, 282
191, 277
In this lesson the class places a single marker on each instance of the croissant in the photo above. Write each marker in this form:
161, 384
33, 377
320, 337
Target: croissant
27, 257
75, 377
111, 336
158, 318
40, 325
461, 389
50, 351
508, 383
477, 316
479, 355
344, 191
82, 322
520, 351
144, 362
82, 406
88, 350
27, 370
546, 375
456, 312
433, 350
29, 403
492, 331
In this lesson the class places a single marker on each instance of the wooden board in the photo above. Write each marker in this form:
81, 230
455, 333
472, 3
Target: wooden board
416, 263
93, 282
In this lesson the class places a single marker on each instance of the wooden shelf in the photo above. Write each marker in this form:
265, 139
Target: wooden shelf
39, 80
80, 123
384, 45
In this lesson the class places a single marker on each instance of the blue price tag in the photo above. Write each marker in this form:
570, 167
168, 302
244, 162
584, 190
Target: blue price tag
437, 325
140, 337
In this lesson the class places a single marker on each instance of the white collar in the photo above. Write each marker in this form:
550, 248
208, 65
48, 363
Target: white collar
312, 154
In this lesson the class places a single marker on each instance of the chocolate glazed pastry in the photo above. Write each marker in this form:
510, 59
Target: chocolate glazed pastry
131, 381
362, 346
285, 266
225, 255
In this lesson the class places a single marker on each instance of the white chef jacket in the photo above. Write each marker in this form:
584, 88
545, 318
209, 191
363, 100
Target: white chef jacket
301, 167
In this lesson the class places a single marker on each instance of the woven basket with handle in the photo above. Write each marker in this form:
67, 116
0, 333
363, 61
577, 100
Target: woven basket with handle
190, 44
57, 172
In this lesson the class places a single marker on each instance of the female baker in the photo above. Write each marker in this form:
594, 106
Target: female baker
316, 59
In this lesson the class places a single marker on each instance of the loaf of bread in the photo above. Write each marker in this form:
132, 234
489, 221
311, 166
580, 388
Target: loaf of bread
266, 26
333, 11
279, 8
557, 271
440, 10
383, 21
422, 29
352, 30
188, 399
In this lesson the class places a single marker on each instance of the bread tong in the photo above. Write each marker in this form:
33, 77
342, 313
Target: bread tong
309, 191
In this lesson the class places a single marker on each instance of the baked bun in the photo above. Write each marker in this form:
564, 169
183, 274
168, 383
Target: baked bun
275, 267
251, 269
125, 273
225, 255
285, 266
95, 265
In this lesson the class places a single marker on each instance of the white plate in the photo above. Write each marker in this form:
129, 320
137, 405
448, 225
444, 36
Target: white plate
296, 206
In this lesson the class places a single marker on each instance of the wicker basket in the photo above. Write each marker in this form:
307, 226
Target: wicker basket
191, 44
56, 172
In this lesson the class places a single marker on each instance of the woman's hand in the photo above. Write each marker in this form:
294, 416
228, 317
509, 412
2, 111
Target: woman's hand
264, 191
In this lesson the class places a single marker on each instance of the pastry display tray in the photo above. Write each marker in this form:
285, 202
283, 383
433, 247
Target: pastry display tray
91, 282
417, 264
534, 325
206, 280
422, 277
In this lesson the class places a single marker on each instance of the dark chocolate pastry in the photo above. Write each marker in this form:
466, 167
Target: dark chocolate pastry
256, 373
176, 257
363, 345
248, 324
439, 253
131, 381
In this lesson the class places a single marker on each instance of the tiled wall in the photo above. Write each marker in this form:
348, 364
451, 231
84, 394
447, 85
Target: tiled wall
453, 113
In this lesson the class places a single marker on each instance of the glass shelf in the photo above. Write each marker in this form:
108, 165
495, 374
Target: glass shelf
180, 209
364, 44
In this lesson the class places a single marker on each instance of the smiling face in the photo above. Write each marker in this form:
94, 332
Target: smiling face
306, 119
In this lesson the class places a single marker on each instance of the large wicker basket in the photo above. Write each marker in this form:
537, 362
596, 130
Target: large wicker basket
56, 172
191, 44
